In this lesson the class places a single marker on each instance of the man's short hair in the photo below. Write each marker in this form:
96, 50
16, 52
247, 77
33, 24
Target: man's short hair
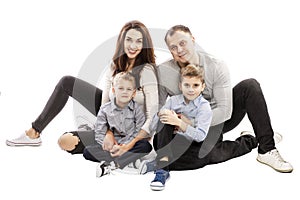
176, 28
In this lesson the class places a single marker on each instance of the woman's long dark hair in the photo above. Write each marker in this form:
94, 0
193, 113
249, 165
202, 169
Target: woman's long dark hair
146, 55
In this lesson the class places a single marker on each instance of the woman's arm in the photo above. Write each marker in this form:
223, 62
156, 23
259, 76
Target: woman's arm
149, 85
107, 85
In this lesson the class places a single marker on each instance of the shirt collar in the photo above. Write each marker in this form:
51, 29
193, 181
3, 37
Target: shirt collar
195, 102
130, 105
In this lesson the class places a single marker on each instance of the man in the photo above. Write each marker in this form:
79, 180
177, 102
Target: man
229, 106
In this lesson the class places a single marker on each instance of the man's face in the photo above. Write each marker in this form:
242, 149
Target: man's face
181, 46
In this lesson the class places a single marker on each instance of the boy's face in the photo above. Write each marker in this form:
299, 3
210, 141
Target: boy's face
191, 88
181, 46
124, 92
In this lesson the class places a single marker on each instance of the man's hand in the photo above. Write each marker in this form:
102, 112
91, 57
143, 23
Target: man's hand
109, 141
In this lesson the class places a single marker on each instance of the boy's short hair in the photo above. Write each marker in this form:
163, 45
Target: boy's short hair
192, 71
124, 76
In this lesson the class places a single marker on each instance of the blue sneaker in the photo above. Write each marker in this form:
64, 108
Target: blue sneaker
161, 176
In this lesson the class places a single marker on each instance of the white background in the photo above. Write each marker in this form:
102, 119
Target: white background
40, 41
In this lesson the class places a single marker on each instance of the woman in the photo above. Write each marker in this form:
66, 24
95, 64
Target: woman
134, 53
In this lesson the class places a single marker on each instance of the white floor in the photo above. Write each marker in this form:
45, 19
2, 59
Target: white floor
41, 42
46, 171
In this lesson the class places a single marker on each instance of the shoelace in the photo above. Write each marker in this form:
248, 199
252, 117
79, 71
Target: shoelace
277, 156
160, 177
24, 136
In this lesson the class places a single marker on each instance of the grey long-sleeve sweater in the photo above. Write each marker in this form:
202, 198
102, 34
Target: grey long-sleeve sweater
218, 89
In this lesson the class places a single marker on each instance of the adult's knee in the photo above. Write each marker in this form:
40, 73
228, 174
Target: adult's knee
252, 86
66, 83
68, 141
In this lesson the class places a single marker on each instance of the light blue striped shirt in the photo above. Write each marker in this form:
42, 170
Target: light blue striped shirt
198, 111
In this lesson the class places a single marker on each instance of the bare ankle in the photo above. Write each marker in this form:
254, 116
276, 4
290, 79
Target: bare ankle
33, 134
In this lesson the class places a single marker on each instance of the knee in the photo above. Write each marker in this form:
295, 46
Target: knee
88, 155
252, 85
66, 79
252, 82
68, 141
147, 147
66, 82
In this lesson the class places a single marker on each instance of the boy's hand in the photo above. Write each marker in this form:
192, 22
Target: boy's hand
109, 141
185, 119
169, 117
119, 150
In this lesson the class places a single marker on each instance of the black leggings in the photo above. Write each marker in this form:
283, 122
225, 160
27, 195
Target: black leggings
86, 94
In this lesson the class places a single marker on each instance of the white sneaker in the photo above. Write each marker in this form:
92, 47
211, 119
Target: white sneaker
134, 168
277, 136
24, 140
273, 159
104, 168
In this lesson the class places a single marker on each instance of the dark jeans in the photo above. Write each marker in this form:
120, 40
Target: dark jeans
184, 154
96, 153
248, 99
86, 94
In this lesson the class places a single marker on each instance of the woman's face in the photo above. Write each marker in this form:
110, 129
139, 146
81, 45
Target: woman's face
133, 43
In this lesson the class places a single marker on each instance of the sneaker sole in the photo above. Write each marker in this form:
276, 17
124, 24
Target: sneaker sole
157, 187
12, 144
282, 171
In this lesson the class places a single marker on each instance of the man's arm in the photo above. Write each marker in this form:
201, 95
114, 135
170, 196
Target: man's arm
222, 93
